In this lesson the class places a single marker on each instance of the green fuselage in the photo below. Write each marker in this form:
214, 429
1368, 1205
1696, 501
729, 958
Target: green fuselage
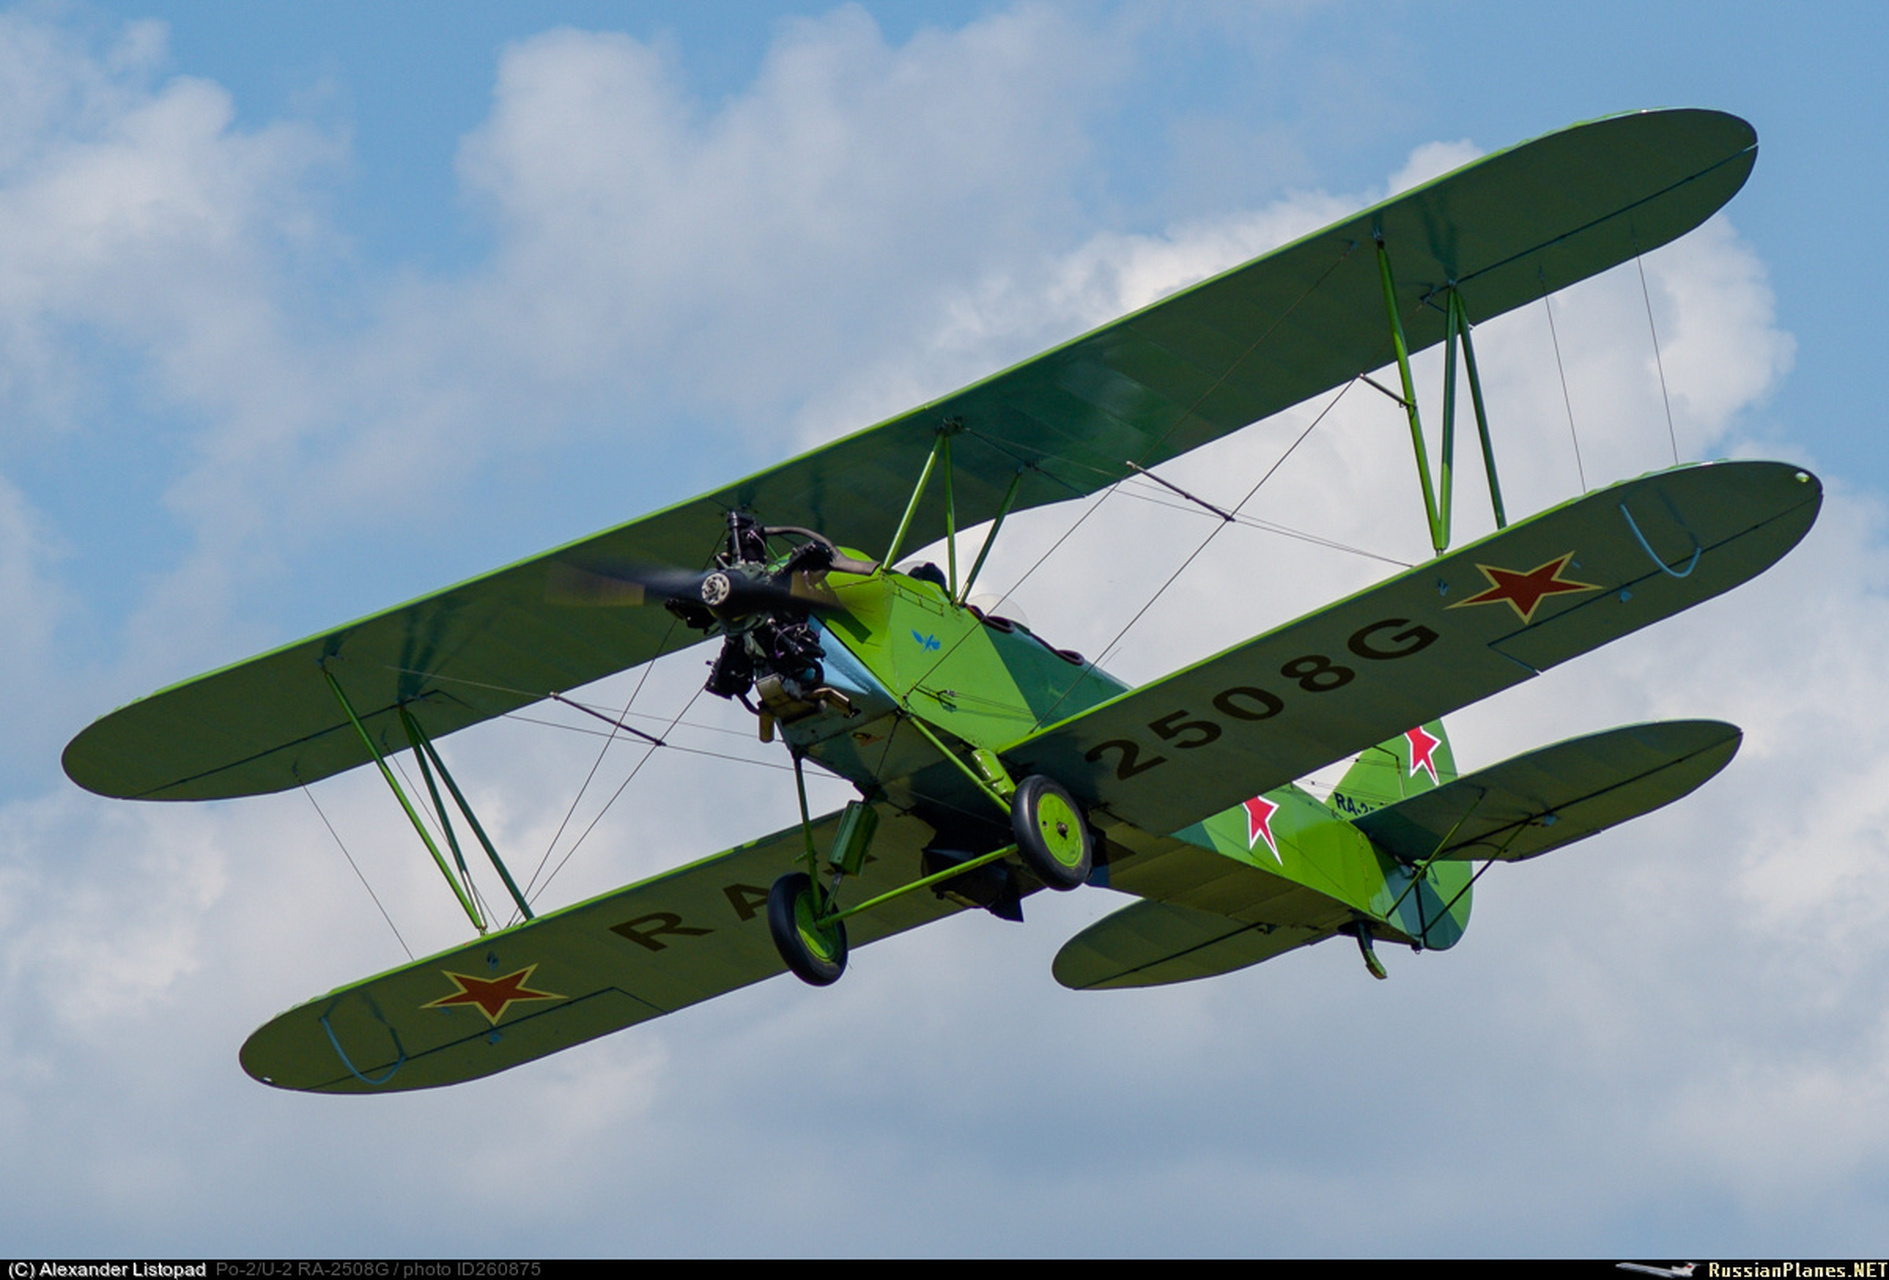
901, 650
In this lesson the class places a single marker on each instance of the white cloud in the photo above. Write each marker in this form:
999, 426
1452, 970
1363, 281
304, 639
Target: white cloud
733, 255
1432, 160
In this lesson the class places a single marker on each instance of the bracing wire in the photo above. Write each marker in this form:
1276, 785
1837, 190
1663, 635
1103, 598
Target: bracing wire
1153, 450
1156, 494
357, 872
614, 732
1658, 363
1268, 526
636, 769
1566, 399
596, 764
1212, 533
662, 648
672, 746
540, 695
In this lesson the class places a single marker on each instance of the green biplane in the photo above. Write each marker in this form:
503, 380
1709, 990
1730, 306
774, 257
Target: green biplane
989, 763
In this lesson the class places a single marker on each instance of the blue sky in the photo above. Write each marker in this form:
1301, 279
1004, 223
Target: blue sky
308, 309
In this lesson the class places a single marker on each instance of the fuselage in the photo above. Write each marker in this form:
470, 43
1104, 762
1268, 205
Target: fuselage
901, 649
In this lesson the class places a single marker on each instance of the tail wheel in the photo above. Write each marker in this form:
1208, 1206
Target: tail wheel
815, 953
1051, 833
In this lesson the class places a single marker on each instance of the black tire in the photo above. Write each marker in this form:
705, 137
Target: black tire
814, 955
1052, 835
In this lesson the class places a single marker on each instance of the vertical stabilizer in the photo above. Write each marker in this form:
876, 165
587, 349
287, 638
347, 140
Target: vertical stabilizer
1415, 761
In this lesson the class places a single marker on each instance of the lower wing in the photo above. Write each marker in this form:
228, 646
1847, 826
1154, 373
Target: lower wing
574, 975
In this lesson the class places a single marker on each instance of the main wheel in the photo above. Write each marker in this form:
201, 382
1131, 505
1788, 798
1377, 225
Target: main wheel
1051, 834
815, 953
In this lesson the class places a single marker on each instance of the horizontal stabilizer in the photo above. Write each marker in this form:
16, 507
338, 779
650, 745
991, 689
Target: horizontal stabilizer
1150, 944
1545, 799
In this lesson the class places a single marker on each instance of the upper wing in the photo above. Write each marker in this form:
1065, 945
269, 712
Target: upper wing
1154, 384
576, 974
1553, 796
1421, 644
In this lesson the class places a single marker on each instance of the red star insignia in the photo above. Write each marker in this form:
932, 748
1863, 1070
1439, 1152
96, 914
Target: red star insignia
1422, 751
1523, 591
1259, 811
491, 996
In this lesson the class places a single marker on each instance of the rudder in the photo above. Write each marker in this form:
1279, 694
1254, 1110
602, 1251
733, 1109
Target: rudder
1415, 761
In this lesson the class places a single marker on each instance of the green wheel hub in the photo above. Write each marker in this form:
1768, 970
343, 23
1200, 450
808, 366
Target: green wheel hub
822, 943
1052, 835
1061, 829
814, 952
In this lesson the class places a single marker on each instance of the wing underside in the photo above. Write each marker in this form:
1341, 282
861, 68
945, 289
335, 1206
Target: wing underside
579, 973
1183, 371
1424, 643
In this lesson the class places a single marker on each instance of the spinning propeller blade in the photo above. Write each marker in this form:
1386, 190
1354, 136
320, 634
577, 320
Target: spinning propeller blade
724, 592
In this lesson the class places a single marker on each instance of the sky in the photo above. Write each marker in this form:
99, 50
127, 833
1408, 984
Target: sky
305, 310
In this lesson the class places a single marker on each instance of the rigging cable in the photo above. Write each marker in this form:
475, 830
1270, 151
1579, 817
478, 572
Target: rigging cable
1658, 363
1283, 531
687, 751
1266, 526
637, 768
1077, 524
609, 735
1149, 454
1213, 533
596, 764
541, 695
357, 872
1566, 399
662, 649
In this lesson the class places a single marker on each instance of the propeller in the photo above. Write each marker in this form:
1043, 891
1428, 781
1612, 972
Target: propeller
760, 603
739, 587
